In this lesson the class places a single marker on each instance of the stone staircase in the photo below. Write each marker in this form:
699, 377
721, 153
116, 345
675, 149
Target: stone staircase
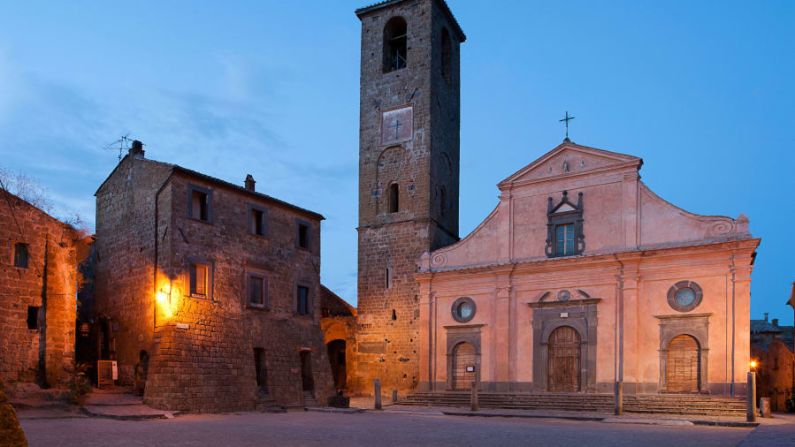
678, 404
309, 400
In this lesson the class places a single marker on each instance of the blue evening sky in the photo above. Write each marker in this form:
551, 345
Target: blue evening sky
702, 91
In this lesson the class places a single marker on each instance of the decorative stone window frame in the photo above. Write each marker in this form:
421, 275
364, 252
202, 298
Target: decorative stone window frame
556, 218
694, 325
252, 229
209, 192
456, 335
682, 285
457, 303
210, 277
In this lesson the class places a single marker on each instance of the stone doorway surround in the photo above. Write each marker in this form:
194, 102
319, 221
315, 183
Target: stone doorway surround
577, 314
694, 325
469, 333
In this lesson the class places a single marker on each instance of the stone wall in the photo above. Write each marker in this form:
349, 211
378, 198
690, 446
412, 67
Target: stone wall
202, 348
45, 352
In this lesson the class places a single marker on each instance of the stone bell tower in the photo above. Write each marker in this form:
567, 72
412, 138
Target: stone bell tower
408, 176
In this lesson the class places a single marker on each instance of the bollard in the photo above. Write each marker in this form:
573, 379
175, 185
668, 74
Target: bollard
619, 404
473, 399
750, 414
394, 396
764, 407
377, 384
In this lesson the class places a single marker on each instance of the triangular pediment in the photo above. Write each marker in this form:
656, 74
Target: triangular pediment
564, 208
570, 158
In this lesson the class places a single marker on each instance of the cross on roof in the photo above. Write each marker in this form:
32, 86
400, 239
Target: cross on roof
566, 119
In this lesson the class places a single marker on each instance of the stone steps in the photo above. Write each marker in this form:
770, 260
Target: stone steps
662, 404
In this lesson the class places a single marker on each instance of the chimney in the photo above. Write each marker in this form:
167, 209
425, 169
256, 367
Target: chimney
775, 322
250, 182
137, 149
765, 317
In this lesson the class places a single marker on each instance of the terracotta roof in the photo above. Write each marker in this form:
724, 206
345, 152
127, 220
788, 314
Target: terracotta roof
442, 4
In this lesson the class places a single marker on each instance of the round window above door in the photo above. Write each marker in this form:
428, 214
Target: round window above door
463, 309
684, 296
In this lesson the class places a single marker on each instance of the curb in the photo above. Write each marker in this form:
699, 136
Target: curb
526, 416
727, 424
352, 410
165, 415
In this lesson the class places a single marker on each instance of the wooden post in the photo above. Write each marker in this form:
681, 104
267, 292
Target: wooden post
377, 384
394, 396
750, 414
473, 398
619, 399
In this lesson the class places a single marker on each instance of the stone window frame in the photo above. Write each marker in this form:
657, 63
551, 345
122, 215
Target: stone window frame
470, 333
694, 325
556, 219
389, 66
309, 299
266, 302
682, 285
209, 192
210, 277
308, 236
252, 229
15, 252
456, 316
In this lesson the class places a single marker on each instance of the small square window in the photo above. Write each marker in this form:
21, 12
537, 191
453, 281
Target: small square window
304, 307
199, 279
33, 317
257, 217
303, 235
199, 207
257, 291
21, 255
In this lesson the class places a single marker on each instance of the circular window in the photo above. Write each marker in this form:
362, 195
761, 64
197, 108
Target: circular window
564, 295
684, 296
463, 309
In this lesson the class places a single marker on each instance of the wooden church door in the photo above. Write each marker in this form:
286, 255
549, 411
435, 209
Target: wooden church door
683, 365
464, 366
564, 360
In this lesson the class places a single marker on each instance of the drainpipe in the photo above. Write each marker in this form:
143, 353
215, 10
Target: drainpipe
619, 339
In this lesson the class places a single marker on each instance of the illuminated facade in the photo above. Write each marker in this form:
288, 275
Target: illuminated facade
209, 291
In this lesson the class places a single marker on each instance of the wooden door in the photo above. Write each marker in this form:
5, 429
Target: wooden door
683, 366
564, 360
464, 366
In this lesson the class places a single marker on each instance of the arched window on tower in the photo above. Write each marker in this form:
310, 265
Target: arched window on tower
394, 198
447, 56
395, 44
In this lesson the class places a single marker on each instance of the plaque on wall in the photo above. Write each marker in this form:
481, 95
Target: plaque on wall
397, 125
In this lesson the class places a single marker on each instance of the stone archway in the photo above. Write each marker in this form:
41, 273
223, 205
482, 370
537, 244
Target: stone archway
683, 366
464, 366
563, 360
337, 359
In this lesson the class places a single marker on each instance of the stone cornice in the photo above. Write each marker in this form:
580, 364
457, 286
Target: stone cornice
569, 303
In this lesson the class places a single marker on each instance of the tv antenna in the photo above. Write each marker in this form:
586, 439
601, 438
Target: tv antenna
124, 143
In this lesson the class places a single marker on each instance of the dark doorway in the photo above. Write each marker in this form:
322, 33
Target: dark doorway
260, 369
336, 356
564, 360
306, 371
141, 371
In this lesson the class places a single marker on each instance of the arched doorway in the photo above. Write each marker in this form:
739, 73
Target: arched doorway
336, 356
464, 366
683, 365
564, 360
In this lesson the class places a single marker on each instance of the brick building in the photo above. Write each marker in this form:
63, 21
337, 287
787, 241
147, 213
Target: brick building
39, 280
408, 175
208, 291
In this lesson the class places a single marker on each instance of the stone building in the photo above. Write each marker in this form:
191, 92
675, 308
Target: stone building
338, 323
581, 278
208, 291
408, 176
39, 280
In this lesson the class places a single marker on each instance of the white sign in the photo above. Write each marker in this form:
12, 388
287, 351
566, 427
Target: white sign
470, 369
564, 315
115, 368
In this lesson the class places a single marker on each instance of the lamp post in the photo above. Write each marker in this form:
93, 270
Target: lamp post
751, 392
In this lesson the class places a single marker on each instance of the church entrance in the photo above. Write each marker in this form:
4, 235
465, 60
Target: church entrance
336, 356
464, 366
307, 381
564, 360
683, 365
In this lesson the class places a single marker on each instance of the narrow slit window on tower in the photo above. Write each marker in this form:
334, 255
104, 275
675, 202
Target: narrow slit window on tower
21, 255
33, 317
394, 198
395, 44
442, 201
447, 56
302, 298
388, 277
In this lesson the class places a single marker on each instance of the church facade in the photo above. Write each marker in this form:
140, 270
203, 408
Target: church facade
581, 278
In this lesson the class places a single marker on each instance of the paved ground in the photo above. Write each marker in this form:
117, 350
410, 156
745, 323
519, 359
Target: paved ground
381, 429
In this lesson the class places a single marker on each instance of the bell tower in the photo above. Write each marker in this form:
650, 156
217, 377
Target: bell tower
408, 176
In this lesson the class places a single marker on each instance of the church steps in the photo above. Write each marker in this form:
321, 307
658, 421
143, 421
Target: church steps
660, 404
